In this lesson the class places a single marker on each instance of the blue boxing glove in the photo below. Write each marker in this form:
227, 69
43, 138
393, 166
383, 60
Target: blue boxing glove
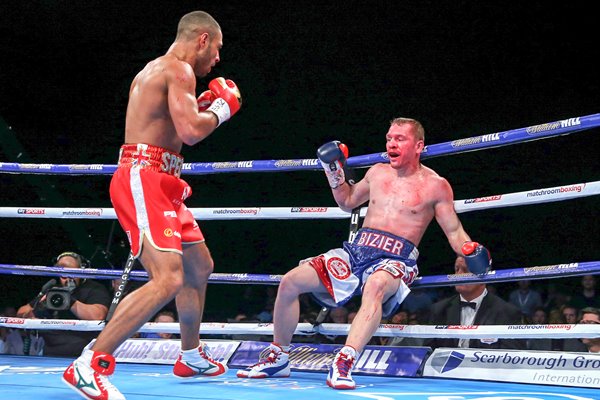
477, 258
332, 156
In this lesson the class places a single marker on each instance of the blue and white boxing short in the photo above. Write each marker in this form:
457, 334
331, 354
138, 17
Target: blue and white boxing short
344, 271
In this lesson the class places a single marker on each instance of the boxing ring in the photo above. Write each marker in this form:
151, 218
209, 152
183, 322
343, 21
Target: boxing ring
39, 377
29, 379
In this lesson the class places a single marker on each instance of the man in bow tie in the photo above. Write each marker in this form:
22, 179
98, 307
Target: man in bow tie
474, 305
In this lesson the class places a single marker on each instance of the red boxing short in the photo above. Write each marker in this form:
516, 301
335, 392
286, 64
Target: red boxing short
147, 195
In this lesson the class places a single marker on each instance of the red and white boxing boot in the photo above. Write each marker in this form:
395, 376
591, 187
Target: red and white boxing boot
88, 376
340, 372
198, 361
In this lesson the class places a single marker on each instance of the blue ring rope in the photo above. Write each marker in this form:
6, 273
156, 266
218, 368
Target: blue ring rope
534, 132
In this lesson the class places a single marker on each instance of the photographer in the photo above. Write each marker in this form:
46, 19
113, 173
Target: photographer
69, 298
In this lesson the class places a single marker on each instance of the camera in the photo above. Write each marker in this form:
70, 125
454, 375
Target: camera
59, 298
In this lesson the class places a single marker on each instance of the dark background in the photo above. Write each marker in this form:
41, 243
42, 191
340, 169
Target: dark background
308, 73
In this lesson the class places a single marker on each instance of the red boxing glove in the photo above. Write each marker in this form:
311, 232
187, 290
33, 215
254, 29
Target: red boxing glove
228, 101
205, 99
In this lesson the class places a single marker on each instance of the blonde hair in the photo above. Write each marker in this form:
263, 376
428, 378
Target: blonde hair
195, 23
418, 128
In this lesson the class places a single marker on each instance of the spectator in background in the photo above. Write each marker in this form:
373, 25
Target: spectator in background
402, 318
19, 341
591, 315
525, 298
473, 305
164, 316
570, 314
338, 315
555, 316
539, 317
418, 318
555, 298
89, 300
588, 297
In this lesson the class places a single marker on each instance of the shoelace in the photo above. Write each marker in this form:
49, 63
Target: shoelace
104, 383
344, 364
206, 355
271, 359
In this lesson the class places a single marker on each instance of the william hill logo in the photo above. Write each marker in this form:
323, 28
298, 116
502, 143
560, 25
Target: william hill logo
314, 359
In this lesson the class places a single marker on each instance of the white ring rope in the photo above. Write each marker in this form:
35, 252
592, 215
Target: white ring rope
387, 330
535, 196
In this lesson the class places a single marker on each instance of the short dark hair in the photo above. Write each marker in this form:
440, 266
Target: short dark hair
419, 130
589, 310
191, 24
168, 313
80, 260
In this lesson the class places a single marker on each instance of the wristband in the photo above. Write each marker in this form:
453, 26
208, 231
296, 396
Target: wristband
335, 174
221, 109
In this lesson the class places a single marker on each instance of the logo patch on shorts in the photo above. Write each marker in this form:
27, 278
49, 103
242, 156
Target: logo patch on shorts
168, 232
338, 268
394, 268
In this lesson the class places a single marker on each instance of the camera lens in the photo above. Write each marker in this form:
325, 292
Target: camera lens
57, 300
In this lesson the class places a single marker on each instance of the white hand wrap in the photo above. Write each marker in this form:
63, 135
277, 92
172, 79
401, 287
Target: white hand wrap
335, 173
220, 108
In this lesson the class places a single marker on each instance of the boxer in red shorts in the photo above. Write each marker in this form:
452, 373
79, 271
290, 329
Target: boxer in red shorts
148, 195
148, 199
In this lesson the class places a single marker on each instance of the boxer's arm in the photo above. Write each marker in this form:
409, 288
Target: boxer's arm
446, 217
348, 197
476, 256
191, 124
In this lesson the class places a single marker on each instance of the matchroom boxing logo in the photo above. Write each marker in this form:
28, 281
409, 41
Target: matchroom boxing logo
445, 361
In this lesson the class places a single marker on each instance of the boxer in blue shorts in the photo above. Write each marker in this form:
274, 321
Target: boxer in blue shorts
381, 262
343, 272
